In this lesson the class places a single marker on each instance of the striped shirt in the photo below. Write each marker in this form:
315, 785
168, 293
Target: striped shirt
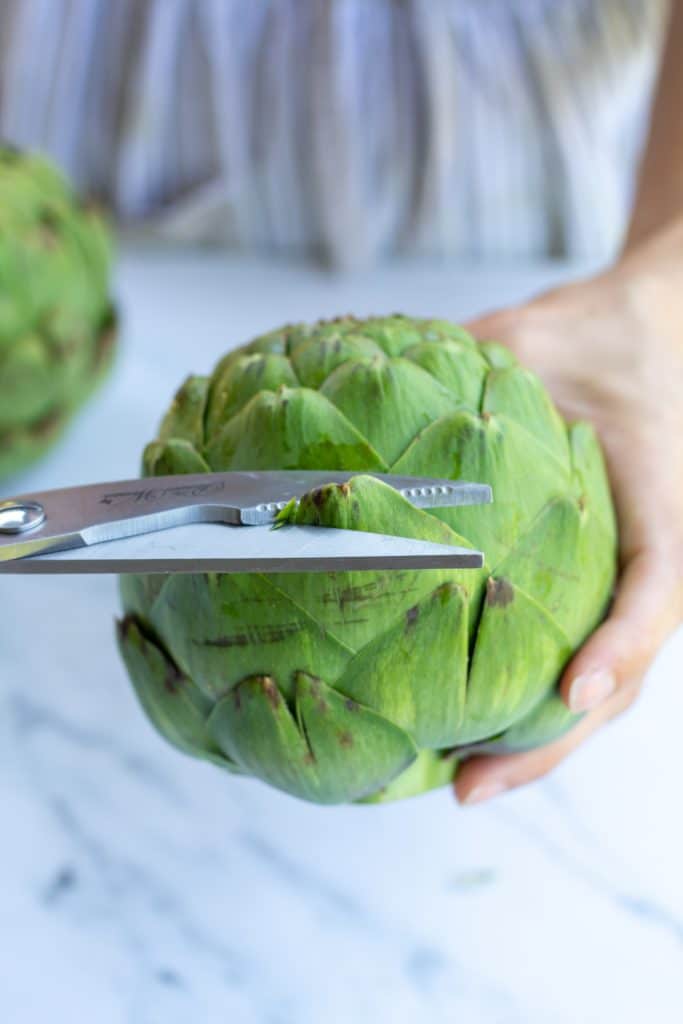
347, 130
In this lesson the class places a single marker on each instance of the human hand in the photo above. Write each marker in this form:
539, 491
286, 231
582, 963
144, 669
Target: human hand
610, 351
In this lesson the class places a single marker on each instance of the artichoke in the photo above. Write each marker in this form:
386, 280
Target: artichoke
56, 320
370, 686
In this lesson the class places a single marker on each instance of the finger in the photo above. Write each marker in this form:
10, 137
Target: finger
503, 323
494, 324
646, 610
485, 776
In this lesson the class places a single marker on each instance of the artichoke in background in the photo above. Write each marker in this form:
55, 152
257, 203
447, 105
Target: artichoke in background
56, 318
355, 686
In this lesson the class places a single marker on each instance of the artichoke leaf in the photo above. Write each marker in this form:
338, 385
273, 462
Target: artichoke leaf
415, 673
564, 551
356, 607
274, 341
332, 750
430, 770
242, 625
166, 458
366, 503
21, 445
291, 428
243, 378
444, 332
518, 657
492, 450
548, 721
170, 699
184, 420
498, 356
457, 365
314, 360
27, 376
590, 479
139, 592
363, 390
518, 394
393, 334
54, 264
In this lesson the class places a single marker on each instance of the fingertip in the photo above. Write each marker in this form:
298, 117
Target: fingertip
485, 776
481, 793
623, 647
486, 325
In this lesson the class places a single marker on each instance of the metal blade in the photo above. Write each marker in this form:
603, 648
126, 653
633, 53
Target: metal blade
227, 549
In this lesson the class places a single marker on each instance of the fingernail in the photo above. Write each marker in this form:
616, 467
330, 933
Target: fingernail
486, 791
591, 689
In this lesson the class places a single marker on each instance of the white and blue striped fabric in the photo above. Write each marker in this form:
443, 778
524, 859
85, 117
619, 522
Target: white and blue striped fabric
348, 130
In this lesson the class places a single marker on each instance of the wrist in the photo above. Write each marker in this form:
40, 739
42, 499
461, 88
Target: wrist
647, 277
658, 248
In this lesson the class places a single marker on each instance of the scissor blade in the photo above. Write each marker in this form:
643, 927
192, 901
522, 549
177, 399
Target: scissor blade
34, 524
208, 547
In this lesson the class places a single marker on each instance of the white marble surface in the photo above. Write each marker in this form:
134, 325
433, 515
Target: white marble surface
140, 887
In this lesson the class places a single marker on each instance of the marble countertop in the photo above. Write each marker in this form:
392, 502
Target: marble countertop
139, 886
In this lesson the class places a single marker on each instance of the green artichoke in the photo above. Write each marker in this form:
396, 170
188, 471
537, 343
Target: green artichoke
370, 686
56, 319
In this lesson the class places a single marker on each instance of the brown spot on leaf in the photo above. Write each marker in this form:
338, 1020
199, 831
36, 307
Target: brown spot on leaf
270, 690
124, 626
351, 705
49, 227
499, 593
237, 640
255, 635
412, 616
309, 757
106, 337
48, 425
354, 595
173, 679
345, 739
315, 690
344, 489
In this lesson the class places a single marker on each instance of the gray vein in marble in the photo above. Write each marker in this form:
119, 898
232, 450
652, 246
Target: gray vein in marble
639, 906
327, 895
30, 717
124, 881
124, 885
423, 963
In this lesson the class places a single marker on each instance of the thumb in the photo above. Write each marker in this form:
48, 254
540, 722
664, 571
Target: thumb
509, 327
494, 324
646, 610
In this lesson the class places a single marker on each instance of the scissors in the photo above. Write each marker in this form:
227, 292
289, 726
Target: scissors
215, 522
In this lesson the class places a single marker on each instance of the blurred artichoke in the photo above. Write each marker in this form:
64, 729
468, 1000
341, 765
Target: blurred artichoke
56, 319
354, 686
